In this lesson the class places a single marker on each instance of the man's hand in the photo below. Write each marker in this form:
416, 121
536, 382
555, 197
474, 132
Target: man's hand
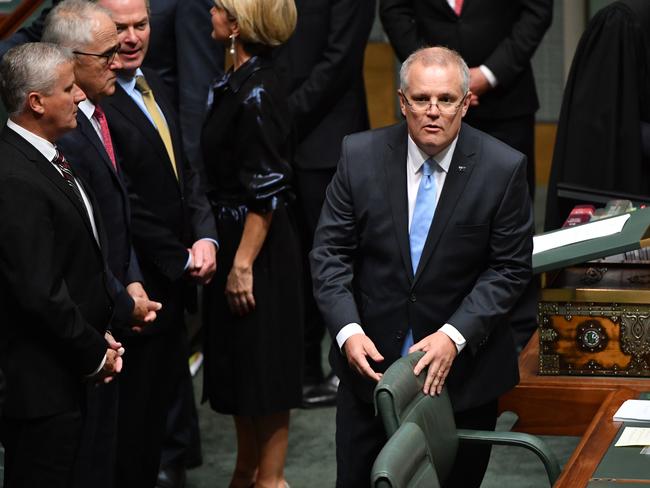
440, 351
113, 364
144, 310
239, 290
203, 262
357, 347
478, 85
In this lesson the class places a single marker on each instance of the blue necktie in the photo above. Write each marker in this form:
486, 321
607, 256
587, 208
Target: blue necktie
425, 207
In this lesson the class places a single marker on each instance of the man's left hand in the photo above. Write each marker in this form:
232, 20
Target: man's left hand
204, 261
440, 352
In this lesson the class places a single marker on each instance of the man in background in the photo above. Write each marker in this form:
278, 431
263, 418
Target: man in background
322, 64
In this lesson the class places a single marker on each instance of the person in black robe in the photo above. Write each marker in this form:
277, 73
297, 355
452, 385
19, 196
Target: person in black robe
606, 105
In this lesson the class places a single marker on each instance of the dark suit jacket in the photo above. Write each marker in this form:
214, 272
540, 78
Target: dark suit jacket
475, 263
168, 215
322, 65
53, 294
86, 154
501, 34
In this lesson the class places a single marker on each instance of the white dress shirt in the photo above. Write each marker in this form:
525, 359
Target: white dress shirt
414, 160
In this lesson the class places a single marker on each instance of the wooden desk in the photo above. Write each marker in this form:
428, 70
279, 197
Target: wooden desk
559, 405
578, 471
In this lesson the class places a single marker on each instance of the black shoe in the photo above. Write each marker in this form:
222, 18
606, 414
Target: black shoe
321, 394
171, 476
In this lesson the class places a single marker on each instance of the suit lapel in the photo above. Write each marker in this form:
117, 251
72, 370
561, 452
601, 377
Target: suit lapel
128, 108
395, 171
460, 170
48, 170
88, 131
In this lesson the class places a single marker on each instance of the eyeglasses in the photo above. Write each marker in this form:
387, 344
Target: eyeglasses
445, 107
106, 57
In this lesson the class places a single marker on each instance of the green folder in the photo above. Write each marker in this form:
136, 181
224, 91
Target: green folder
634, 235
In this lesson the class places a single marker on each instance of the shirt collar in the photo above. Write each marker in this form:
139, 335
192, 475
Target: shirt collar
45, 147
87, 108
417, 156
128, 84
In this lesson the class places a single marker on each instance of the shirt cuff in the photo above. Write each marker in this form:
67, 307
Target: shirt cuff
487, 72
454, 335
189, 254
101, 365
347, 331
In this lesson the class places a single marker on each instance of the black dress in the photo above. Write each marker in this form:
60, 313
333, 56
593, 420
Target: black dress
252, 363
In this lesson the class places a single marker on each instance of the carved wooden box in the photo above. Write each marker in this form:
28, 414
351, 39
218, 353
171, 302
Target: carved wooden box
595, 321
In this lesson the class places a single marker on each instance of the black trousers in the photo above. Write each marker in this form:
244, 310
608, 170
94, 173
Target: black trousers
311, 186
360, 436
152, 368
517, 132
40, 452
95, 462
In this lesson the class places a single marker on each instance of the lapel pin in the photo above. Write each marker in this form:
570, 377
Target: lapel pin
461, 169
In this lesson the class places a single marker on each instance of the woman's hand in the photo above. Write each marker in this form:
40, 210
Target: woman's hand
239, 290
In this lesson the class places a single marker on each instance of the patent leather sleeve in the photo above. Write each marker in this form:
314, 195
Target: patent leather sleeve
263, 142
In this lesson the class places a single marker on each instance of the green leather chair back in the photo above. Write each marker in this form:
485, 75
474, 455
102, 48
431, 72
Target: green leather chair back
405, 461
399, 399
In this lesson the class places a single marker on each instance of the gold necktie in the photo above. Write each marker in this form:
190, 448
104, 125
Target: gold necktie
163, 130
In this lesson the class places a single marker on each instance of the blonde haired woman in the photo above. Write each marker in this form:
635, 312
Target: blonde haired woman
253, 309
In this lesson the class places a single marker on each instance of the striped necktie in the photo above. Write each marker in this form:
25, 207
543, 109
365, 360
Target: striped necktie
100, 117
67, 173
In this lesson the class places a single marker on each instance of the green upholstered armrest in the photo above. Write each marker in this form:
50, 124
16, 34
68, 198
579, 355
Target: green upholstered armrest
530, 442
405, 461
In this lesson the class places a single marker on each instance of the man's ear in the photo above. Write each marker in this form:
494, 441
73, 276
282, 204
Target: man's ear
466, 102
402, 105
35, 102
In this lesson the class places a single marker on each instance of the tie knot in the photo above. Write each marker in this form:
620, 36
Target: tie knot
428, 167
142, 85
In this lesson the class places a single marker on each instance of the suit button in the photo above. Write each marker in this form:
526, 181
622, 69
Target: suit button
399, 335
412, 298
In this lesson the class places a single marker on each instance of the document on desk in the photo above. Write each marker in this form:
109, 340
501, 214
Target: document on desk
579, 233
634, 436
634, 410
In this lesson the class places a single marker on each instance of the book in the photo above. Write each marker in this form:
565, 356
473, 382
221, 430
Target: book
633, 410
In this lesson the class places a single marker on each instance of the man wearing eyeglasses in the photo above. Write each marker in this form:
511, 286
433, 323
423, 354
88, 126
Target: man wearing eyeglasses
424, 244
88, 31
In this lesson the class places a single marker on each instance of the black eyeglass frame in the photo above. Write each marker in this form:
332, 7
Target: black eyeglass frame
108, 56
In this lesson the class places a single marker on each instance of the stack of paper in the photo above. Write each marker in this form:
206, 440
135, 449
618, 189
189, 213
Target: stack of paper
633, 410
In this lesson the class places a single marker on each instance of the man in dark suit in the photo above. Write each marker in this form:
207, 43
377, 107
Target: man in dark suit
322, 64
497, 39
388, 273
90, 152
53, 276
170, 215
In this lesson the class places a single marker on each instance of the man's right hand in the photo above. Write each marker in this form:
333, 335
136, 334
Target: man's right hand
112, 366
144, 310
357, 347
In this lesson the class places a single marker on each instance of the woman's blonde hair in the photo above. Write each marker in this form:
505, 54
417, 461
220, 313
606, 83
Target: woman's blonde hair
267, 22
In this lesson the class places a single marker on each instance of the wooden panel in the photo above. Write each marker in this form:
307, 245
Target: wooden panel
11, 22
544, 143
559, 405
381, 89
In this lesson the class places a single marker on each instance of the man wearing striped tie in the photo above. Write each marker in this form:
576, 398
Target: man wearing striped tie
424, 244
54, 295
